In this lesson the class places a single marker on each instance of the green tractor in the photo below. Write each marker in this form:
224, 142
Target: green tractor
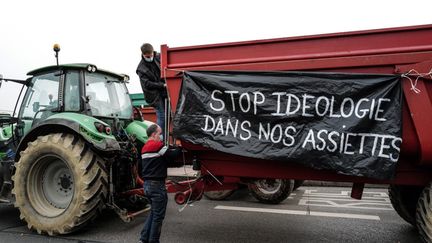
72, 149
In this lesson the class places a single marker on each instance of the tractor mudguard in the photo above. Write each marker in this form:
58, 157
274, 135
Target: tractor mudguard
139, 129
81, 125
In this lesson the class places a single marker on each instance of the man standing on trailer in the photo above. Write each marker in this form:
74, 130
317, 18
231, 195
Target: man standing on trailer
155, 160
154, 88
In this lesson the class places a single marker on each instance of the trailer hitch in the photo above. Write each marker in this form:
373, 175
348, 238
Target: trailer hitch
125, 215
186, 191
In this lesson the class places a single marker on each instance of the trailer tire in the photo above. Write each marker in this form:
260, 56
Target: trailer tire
218, 195
271, 191
297, 184
60, 184
424, 214
404, 201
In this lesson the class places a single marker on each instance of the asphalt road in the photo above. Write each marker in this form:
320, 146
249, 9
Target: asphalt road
311, 214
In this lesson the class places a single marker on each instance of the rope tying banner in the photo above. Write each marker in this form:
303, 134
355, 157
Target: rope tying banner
415, 74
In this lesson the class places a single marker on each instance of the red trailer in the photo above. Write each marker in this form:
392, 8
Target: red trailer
386, 51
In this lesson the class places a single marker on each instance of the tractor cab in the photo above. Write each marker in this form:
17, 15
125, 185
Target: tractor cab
75, 88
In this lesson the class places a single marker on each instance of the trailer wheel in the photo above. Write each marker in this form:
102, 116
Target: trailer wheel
218, 195
424, 214
60, 184
297, 184
404, 201
271, 191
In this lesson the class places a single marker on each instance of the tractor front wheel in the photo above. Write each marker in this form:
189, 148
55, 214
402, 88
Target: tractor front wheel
271, 191
60, 184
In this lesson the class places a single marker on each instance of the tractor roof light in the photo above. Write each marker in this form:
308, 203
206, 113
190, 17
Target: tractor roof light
91, 68
125, 78
56, 47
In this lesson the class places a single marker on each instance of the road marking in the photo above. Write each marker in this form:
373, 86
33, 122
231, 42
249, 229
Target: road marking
300, 212
373, 200
357, 205
385, 199
346, 194
380, 201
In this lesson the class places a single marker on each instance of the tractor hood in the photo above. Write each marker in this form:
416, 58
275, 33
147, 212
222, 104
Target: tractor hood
139, 130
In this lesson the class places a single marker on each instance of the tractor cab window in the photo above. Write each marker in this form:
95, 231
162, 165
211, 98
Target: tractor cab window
107, 96
41, 97
71, 91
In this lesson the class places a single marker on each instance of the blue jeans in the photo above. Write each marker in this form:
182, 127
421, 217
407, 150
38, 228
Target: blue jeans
157, 194
160, 114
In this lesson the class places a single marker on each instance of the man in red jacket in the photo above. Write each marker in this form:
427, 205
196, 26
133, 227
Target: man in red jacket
155, 159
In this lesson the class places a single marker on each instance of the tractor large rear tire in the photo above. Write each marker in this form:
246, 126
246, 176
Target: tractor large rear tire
404, 201
271, 191
424, 214
60, 184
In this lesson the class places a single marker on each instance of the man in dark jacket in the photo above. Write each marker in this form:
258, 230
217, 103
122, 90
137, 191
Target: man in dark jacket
154, 88
155, 160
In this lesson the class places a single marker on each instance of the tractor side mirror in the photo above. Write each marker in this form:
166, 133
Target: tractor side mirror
36, 106
5, 119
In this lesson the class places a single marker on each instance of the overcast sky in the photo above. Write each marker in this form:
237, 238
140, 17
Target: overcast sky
109, 33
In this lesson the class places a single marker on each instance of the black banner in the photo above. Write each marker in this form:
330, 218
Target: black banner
349, 123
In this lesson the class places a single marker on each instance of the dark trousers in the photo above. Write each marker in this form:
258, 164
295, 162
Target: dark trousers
160, 114
157, 194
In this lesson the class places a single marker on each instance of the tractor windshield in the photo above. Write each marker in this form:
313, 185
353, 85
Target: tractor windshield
108, 96
41, 97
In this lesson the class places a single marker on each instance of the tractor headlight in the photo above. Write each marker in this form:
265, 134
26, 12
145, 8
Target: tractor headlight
102, 128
